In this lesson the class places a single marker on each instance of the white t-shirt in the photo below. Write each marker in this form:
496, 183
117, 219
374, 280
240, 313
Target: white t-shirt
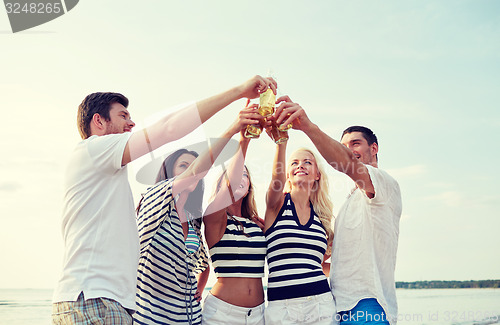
99, 228
365, 246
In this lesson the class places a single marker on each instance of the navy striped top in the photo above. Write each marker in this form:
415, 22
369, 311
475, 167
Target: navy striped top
166, 281
241, 252
294, 255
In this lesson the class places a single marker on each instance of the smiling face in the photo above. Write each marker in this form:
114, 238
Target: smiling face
302, 169
119, 120
182, 163
243, 188
359, 146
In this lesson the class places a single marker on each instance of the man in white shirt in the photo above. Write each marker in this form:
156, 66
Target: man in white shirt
367, 227
98, 281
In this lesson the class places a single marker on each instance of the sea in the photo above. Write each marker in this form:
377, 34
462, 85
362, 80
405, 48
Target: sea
416, 306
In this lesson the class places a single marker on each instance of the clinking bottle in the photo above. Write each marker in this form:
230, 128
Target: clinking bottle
266, 108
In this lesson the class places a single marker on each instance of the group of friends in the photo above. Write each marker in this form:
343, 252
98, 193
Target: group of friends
148, 264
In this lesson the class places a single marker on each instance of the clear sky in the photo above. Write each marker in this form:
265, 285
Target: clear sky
424, 75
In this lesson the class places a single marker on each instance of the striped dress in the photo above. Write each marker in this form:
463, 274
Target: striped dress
241, 252
166, 281
294, 255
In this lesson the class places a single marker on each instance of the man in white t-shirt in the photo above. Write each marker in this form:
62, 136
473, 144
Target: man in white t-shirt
101, 244
367, 227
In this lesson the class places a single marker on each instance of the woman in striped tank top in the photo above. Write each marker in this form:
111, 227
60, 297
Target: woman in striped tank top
299, 236
237, 250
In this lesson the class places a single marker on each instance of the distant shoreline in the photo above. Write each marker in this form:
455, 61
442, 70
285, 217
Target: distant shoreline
472, 284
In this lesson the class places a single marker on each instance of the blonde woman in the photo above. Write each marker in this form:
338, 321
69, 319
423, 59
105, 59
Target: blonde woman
299, 236
237, 250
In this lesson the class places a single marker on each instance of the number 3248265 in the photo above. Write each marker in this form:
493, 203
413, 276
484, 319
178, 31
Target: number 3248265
33, 8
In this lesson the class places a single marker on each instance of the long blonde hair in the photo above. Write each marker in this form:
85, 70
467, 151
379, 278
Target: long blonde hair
248, 205
320, 196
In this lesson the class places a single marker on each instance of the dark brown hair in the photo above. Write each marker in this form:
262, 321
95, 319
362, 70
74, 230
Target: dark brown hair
96, 103
195, 199
368, 134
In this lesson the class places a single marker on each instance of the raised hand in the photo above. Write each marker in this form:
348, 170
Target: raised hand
290, 112
268, 124
247, 116
253, 87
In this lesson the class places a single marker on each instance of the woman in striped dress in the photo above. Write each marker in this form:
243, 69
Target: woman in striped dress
299, 236
237, 248
170, 239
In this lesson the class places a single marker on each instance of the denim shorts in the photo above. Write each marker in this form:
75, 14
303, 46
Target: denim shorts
367, 311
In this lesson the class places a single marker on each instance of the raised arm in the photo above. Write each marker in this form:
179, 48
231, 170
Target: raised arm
336, 154
178, 124
188, 180
215, 219
230, 181
274, 195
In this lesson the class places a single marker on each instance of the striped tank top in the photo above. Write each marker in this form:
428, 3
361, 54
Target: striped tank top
241, 252
294, 255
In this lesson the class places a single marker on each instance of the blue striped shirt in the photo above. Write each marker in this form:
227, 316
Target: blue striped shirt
237, 255
166, 281
294, 254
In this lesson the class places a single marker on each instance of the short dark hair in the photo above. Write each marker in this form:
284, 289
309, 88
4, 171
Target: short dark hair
195, 199
99, 103
368, 134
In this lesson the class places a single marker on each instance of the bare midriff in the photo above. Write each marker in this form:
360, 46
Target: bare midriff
243, 292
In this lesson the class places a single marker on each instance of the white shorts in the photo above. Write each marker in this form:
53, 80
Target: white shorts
319, 309
216, 311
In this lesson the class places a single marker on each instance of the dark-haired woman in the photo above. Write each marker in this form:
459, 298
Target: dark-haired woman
238, 251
